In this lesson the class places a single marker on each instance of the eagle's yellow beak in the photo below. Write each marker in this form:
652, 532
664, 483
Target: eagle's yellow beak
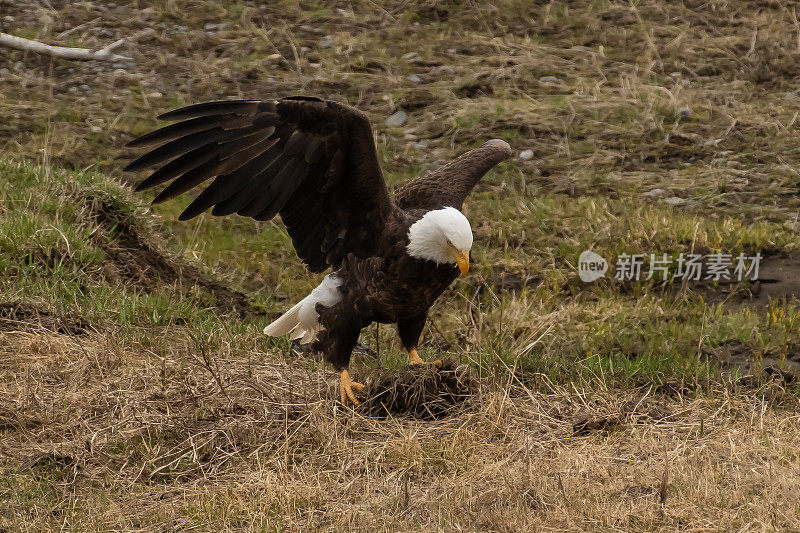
462, 258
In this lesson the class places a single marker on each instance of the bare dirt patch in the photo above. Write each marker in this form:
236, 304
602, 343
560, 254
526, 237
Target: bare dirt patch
735, 354
779, 278
24, 316
503, 280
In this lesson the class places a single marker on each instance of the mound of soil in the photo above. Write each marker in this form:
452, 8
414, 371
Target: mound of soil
431, 392
17, 315
137, 262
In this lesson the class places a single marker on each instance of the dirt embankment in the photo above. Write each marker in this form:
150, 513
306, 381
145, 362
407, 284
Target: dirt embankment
134, 260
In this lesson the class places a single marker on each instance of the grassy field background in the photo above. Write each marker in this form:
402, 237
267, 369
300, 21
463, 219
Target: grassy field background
138, 393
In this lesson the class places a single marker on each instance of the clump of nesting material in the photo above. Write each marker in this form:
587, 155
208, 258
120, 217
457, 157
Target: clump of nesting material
427, 392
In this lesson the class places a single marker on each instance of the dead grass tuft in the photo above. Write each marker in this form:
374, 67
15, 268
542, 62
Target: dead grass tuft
424, 393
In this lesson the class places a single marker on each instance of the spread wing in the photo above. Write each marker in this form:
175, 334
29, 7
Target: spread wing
449, 186
311, 161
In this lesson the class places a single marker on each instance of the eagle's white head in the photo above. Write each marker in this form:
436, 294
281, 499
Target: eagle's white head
442, 235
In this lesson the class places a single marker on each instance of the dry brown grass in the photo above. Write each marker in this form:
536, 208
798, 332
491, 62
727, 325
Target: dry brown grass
124, 440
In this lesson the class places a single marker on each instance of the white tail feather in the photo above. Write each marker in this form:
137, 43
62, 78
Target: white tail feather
302, 320
287, 322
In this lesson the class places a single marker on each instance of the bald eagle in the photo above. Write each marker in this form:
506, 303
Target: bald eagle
314, 162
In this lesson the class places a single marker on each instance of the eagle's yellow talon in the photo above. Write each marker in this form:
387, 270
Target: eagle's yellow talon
347, 387
415, 359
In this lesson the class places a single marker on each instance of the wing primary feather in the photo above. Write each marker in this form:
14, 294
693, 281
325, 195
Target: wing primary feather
240, 107
190, 180
173, 131
286, 185
267, 187
192, 141
222, 188
172, 149
232, 148
257, 185
176, 167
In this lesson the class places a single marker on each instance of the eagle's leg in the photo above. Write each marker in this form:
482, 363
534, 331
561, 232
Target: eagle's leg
336, 340
348, 387
409, 332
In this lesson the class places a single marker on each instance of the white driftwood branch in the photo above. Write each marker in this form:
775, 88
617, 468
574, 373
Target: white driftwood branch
104, 54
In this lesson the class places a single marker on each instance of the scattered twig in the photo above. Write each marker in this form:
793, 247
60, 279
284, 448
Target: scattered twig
104, 54
663, 489
207, 363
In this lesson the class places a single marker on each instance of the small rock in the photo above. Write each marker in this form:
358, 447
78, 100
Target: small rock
411, 57
155, 94
526, 155
4, 72
397, 119
675, 74
452, 51
414, 78
96, 129
444, 69
655, 193
326, 42
674, 201
8, 18
19, 66
685, 111
410, 137
548, 79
